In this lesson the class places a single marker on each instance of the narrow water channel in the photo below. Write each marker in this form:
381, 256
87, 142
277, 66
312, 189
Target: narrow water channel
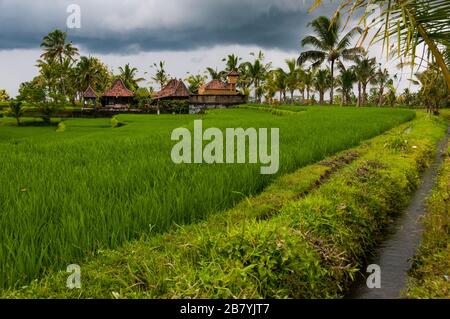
402, 240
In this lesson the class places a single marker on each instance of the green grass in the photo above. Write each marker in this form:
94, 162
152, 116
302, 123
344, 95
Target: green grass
304, 237
67, 195
429, 276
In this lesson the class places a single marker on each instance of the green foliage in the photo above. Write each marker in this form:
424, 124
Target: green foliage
4, 96
61, 127
174, 106
115, 123
16, 110
429, 276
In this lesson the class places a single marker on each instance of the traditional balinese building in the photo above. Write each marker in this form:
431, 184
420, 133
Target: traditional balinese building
174, 90
89, 97
217, 87
214, 94
118, 96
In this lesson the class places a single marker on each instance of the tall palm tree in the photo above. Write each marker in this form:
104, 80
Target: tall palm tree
365, 69
232, 63
256, 71
329, 46
161, 77
56, 48
128, 75
281, 83
90, 71
382, 78
322, 82
308, 80
292, 77
346, 80
270, 86
410, 22
214, 74
195, 82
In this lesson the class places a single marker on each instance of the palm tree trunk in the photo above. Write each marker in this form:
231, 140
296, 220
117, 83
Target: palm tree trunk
364, 94
380, 101
332, 83
292, 97
359, 94
322, 93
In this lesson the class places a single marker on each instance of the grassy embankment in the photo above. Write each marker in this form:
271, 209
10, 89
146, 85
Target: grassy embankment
430, 274
303, 237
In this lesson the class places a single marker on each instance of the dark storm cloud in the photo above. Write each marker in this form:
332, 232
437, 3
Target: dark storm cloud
115, 27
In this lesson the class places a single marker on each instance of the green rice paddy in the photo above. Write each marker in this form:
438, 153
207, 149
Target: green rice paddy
66, 195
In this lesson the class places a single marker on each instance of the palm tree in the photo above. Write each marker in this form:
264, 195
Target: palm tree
256, 72
195, 82
232, 62
322, 82
270, 86
365, 69
281, 83
161, 77
410, 22
329, 46
16, 110
3, 95
128, 76
90, 71
292, 77
214, 74
382, 78
346, 80
308, 81
56, 48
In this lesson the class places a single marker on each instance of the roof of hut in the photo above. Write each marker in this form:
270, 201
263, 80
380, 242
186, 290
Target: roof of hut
90, 93
118, 89
175, 88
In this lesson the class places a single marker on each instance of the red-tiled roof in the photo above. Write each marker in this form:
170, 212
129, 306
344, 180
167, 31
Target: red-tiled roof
217, 85
89, 93
118, 89
175, 88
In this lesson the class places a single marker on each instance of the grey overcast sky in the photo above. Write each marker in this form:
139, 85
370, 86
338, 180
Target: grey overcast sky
189, 35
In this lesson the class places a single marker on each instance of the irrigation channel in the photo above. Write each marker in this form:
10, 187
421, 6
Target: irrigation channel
401, 241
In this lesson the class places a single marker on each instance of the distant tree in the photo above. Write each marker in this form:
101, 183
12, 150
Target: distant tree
33, 91
232, 63
308, 80
366, 70
90, 71
329, 46
161, 76
292, 77
322, 82
56, 48
281, 83
345, 81
256, 72
195, 82
270, 87
129, 77
382, 78
4, 96
214, 74
16, 110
